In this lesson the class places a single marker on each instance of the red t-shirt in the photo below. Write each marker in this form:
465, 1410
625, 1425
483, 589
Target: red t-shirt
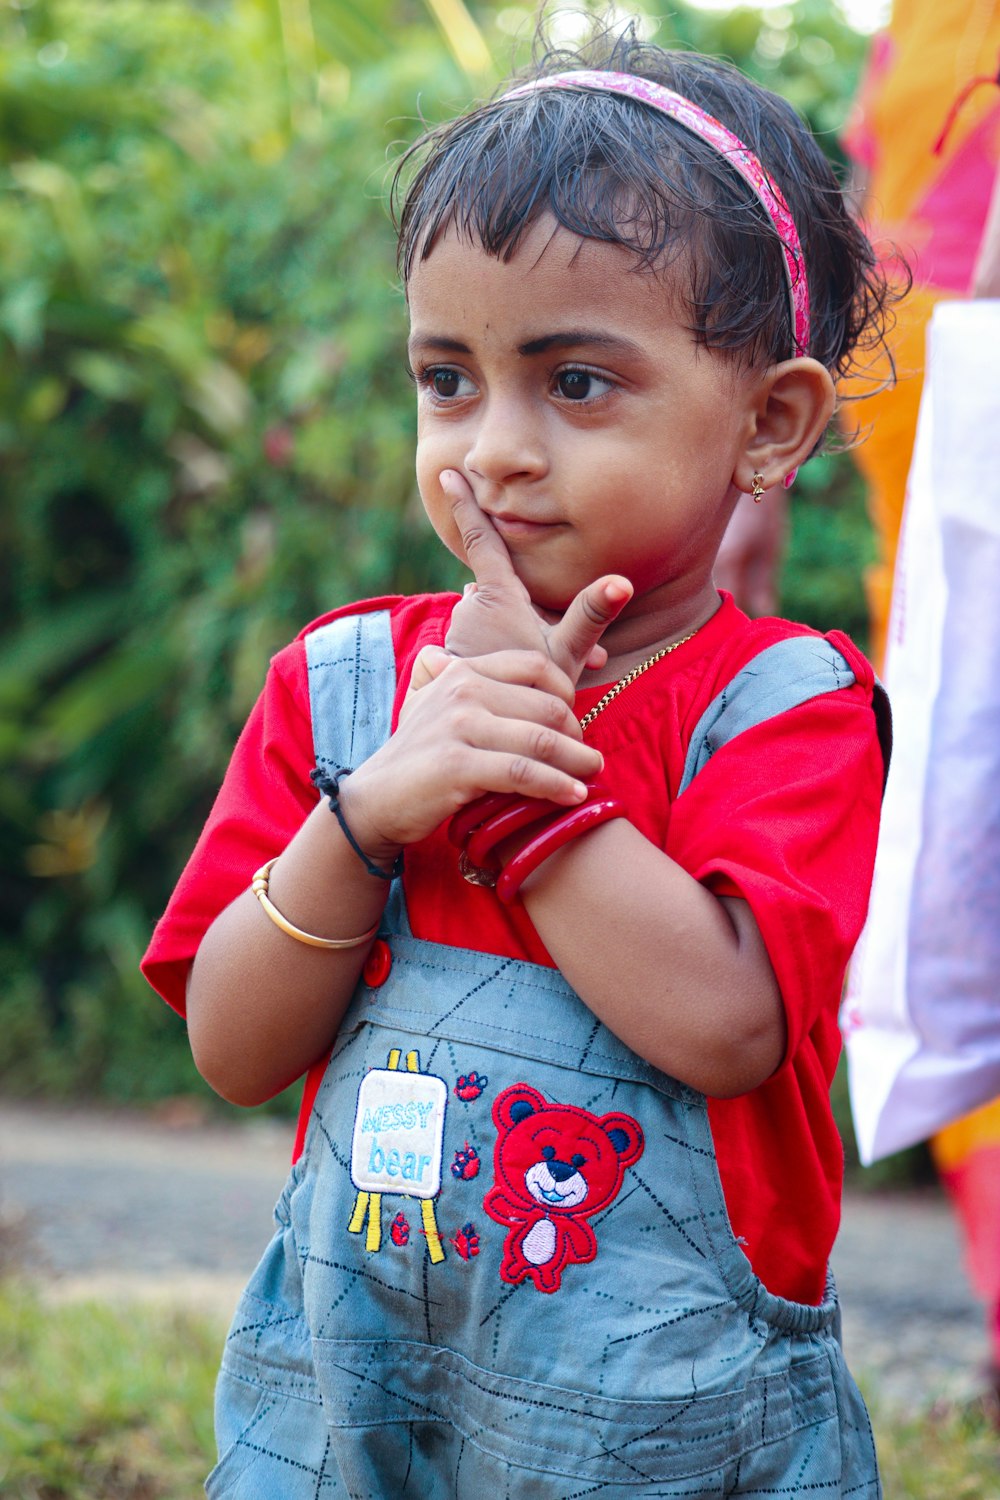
785, 816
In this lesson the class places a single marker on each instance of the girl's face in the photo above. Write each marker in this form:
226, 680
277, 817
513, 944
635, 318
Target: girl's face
594, 433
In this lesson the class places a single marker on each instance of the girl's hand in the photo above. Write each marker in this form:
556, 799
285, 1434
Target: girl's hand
496, 611
496, 723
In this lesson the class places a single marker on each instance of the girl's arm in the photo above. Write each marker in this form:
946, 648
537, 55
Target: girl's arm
680, 975
261, 1005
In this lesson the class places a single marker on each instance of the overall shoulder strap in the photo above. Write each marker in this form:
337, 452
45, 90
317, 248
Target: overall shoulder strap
779, 678
352, 683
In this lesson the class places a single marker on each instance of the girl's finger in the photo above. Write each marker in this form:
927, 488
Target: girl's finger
521, 668
483, 545
542, 745
596, 657
506, 702
573, 642
429, 663
497, 771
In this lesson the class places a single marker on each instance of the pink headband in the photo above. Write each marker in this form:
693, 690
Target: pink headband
700, 123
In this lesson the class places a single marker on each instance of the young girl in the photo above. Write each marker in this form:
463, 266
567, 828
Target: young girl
556, 884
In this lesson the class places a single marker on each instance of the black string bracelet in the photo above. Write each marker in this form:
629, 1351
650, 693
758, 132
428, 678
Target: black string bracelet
328, 785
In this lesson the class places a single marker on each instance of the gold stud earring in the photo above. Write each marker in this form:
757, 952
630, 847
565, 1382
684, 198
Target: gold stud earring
757, 488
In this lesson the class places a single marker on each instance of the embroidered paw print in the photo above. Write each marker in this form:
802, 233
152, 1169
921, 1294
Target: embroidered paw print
466, 1241
400, 1230
470, 1086
466, 1164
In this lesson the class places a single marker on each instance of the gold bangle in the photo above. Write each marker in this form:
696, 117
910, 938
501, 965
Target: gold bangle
259, 887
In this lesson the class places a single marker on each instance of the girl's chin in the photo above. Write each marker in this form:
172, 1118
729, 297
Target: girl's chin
550, 602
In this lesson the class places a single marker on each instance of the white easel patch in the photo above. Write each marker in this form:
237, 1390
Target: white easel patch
397, 1146
398, 1133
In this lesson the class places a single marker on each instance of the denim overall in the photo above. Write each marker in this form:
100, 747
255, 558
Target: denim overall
503, 1266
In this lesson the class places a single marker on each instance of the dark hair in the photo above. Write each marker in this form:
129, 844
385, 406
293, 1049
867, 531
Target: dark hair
609, 168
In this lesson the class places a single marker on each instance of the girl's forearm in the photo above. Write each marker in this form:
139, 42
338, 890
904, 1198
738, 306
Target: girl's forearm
263, 1006
680, 975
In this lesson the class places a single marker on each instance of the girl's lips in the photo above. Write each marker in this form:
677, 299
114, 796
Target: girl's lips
519, 526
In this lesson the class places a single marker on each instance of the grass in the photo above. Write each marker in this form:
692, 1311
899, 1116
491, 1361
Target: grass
100, 1403
954, 1455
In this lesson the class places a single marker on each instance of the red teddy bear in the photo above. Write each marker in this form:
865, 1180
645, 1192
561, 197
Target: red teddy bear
555, 1165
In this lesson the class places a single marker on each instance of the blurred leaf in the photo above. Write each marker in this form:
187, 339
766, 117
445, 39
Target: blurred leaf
99, 694
22, 314
104, 375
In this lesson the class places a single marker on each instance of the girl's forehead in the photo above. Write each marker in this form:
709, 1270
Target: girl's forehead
551, 267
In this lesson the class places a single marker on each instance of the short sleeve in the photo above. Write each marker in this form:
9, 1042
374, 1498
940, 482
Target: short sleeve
263, 801
786, 816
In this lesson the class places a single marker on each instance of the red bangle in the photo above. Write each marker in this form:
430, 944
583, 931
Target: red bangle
552, 837
517, 815
470, 817
511, 820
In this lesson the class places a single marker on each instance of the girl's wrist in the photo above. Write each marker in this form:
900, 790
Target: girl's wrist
504, 839
381, 850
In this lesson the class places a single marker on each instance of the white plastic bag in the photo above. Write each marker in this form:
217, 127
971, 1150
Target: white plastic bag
922, 1013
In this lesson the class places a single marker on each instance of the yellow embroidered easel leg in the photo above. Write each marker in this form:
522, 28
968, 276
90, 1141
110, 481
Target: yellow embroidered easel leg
435, 1249
373, 1239
370, 1205
358, 1216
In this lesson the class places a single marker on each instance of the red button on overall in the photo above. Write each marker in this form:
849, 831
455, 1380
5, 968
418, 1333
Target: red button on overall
377, 964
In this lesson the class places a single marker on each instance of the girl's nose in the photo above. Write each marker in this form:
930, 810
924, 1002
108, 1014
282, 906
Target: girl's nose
507, 445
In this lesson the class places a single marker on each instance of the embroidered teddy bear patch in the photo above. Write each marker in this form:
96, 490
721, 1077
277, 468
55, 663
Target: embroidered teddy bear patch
555, 1166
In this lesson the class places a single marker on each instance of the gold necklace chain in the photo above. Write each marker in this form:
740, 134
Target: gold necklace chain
630, 676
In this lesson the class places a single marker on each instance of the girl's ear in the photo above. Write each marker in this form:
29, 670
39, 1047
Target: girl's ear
793, 405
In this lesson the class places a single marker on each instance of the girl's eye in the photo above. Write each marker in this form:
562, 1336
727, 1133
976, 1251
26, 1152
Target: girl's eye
581, 385
445, 383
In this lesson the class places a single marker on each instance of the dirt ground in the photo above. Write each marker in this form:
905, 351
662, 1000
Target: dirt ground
121, 1205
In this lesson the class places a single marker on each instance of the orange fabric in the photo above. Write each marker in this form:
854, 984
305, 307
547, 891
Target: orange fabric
956, 1142
930, 51
886, 428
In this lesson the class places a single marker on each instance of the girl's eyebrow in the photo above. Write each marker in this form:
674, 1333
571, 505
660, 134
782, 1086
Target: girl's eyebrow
571, 338
611, 343
428, 341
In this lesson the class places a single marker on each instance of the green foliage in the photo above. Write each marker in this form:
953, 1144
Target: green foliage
206, 433
206, 436
830, 545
